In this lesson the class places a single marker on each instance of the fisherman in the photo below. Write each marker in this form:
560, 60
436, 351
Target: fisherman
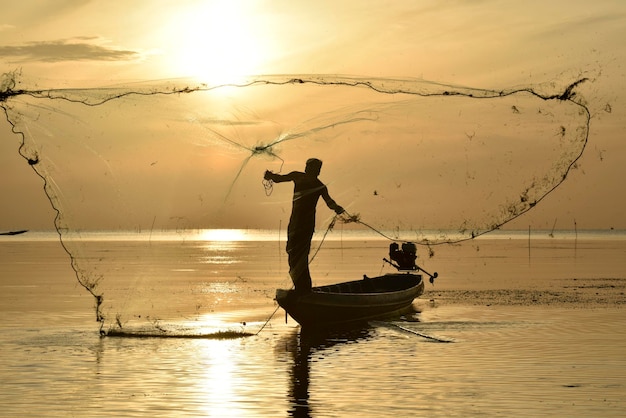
307, 190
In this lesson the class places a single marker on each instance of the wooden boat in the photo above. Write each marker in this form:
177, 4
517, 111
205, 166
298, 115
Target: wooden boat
348, 303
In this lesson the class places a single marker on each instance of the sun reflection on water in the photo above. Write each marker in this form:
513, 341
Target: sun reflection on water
223, 235
217, 377
219, 244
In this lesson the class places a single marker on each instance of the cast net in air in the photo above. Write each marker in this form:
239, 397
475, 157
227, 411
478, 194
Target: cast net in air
408, 159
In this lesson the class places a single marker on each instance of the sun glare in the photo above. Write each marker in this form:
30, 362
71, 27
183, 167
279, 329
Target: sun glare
218, 42
223, 235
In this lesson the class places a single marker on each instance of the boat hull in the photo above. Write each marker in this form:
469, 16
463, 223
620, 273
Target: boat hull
348, 303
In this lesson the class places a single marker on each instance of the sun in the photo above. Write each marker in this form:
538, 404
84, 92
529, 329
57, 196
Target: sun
218, 42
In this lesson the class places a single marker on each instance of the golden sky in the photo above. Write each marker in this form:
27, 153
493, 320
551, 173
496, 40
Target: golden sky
481, 44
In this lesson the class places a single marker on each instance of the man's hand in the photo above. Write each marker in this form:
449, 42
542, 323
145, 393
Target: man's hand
339, 210
268, 175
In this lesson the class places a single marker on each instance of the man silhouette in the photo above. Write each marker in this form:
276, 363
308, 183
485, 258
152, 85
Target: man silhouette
307, 190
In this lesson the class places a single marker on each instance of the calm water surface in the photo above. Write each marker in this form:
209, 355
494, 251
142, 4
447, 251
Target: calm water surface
503, 360
508, 362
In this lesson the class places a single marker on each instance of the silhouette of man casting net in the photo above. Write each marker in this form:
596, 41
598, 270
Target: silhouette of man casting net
307, 190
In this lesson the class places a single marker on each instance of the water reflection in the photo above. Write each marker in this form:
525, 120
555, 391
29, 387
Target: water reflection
220, 252
305, 344
219, 378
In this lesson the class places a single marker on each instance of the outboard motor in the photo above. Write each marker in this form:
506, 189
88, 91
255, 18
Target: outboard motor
404, 257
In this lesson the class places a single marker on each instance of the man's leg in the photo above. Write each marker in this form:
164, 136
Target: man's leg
298, 257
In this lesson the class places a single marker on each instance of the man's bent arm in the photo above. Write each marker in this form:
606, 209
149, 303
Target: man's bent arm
331, 203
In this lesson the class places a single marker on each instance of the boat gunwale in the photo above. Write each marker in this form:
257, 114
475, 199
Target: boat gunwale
320, 292
391, 292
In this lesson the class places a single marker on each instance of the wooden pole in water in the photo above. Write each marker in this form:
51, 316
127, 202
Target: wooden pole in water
553, 226
529, 245
575, 240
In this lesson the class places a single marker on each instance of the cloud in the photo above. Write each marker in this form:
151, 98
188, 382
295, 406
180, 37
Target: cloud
73, 49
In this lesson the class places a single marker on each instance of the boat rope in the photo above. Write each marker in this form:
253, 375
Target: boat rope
357, 218
410, 331
268, 320
347, 218
331, 225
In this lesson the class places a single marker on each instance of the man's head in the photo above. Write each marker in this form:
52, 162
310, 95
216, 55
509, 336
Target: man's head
313, 166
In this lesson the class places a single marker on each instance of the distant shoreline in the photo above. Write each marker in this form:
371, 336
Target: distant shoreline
334, 235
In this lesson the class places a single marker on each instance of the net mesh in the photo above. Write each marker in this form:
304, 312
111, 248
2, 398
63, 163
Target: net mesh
407, 158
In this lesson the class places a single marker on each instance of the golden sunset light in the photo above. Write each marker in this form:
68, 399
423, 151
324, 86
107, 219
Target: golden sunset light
216, 42
330, 208
221, 42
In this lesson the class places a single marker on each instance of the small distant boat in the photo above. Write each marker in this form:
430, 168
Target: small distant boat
353, 302
14, 232
347, 303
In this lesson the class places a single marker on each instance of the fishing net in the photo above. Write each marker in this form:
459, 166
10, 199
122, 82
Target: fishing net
408, 159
